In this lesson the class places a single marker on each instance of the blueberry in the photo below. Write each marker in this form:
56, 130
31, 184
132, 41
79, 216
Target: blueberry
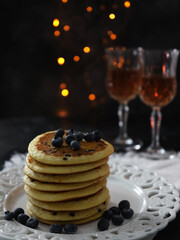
127, 213
70, 228
70, 131
59, 133
115, 210
22, 218
69, 138
32, 223
88, 137
57, 142
75, 145
79, 136
55, 228
18, 211
9, 215
107, 214
103, 224
124, 204
97, 135
117, 220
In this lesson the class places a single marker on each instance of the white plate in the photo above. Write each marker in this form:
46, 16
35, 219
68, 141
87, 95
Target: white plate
154, 200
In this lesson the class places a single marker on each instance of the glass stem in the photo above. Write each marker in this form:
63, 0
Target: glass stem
155, 121
123, 113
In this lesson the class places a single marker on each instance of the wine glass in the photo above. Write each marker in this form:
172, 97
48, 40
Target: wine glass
123, 76
158, 88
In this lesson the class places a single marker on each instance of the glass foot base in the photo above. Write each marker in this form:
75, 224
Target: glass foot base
125, 145
158, 154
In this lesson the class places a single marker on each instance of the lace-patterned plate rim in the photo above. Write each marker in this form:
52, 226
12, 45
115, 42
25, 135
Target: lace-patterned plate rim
162, 203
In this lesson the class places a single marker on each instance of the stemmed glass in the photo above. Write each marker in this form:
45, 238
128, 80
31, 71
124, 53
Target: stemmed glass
123, 76
158, 88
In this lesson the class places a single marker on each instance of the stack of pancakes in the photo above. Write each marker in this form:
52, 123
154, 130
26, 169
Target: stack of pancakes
64, 185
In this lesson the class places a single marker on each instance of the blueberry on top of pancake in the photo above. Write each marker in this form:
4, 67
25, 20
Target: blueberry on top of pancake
42, 150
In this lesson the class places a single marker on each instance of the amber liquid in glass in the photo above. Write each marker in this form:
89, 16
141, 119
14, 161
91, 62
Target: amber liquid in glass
122, 84
158, 90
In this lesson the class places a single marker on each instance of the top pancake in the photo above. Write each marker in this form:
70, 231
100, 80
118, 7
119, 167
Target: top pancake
41, 149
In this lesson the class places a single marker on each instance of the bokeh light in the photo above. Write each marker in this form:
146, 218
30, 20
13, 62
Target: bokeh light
76, 58
127, 4
112, 16
61, 60
66, 28
113, 36
64, 1
65, 92
92, 97
86, 49
62, 85
62, 113
89, 9
57, 33
56, 22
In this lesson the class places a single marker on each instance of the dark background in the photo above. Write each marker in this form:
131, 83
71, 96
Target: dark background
30, 96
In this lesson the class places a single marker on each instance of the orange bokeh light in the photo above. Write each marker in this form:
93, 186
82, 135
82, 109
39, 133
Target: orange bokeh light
113, 36
57, 33
92, 97
61, 60
65, 92
64, 1
109, 32
66, 28
89, 9
56, 22
86, 49
63, 113
127, 4
112, 16
76, 58
62, 85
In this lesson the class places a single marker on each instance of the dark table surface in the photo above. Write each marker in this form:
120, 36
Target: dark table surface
15, 135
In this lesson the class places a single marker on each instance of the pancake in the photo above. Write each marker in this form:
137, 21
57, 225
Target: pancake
80, 221
59, 169
65, 216
62, 196
41, 149
58, 187
73, 205
69, 178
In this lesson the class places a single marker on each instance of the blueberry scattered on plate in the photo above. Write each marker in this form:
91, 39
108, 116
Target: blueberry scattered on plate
32, 223
9, 215
22, 218
18, 211
70, 228
117, 219
103, 224
115, 210
127, 213
124, 204
107, 214
55, 228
